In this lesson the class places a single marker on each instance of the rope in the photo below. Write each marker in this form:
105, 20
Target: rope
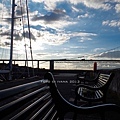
29, 34
24, 38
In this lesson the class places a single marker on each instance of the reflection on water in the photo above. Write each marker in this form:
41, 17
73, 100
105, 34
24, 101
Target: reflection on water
86, 65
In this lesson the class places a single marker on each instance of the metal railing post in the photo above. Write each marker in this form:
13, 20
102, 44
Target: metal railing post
38, 64
51, 65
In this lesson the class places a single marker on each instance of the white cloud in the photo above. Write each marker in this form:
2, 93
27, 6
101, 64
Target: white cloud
83, 39
41, 37
4, 15
110, 54
117, 8
112, 23
49, 4
98, 49
60, 24
60, 37
75, 9
96, 4
86, 15
78, 47
52, 39
57, 19
84, 34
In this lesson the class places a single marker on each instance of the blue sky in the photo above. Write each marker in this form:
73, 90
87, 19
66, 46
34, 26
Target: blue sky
63, 29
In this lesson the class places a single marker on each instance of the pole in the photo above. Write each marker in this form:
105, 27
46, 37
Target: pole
11, 47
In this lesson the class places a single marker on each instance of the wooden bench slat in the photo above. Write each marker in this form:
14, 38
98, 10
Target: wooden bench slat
99, 94
43, 108
15, 90
104, 80
48, 112
54, 116
26, 108
10, 104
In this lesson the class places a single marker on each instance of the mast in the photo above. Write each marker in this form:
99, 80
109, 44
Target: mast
11, 47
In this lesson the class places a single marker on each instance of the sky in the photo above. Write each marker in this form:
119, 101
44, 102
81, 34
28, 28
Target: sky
62, 29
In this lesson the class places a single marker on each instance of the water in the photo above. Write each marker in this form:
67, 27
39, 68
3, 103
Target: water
69, 65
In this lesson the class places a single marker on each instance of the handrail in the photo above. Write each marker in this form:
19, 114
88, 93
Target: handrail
59, 60
52, 62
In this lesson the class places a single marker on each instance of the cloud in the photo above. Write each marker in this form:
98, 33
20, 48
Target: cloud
98, 49
74, 9
62, 37
110, 54
49, 4
5, 32
96, 4
53, 39
5, 14
83, 39
57, 19
78, 47
18, 36
83, 36
27, 35
86, 15
54, 26
20, 10
112, 23
55, 15
117, 8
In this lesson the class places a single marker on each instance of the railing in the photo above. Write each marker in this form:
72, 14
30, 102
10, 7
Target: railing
64, 64
74, 66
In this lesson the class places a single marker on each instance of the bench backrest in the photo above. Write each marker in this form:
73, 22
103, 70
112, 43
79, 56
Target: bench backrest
40, 99
104, 80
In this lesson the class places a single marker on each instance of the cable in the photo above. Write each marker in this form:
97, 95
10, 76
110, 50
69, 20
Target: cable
24, 38
29, 34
